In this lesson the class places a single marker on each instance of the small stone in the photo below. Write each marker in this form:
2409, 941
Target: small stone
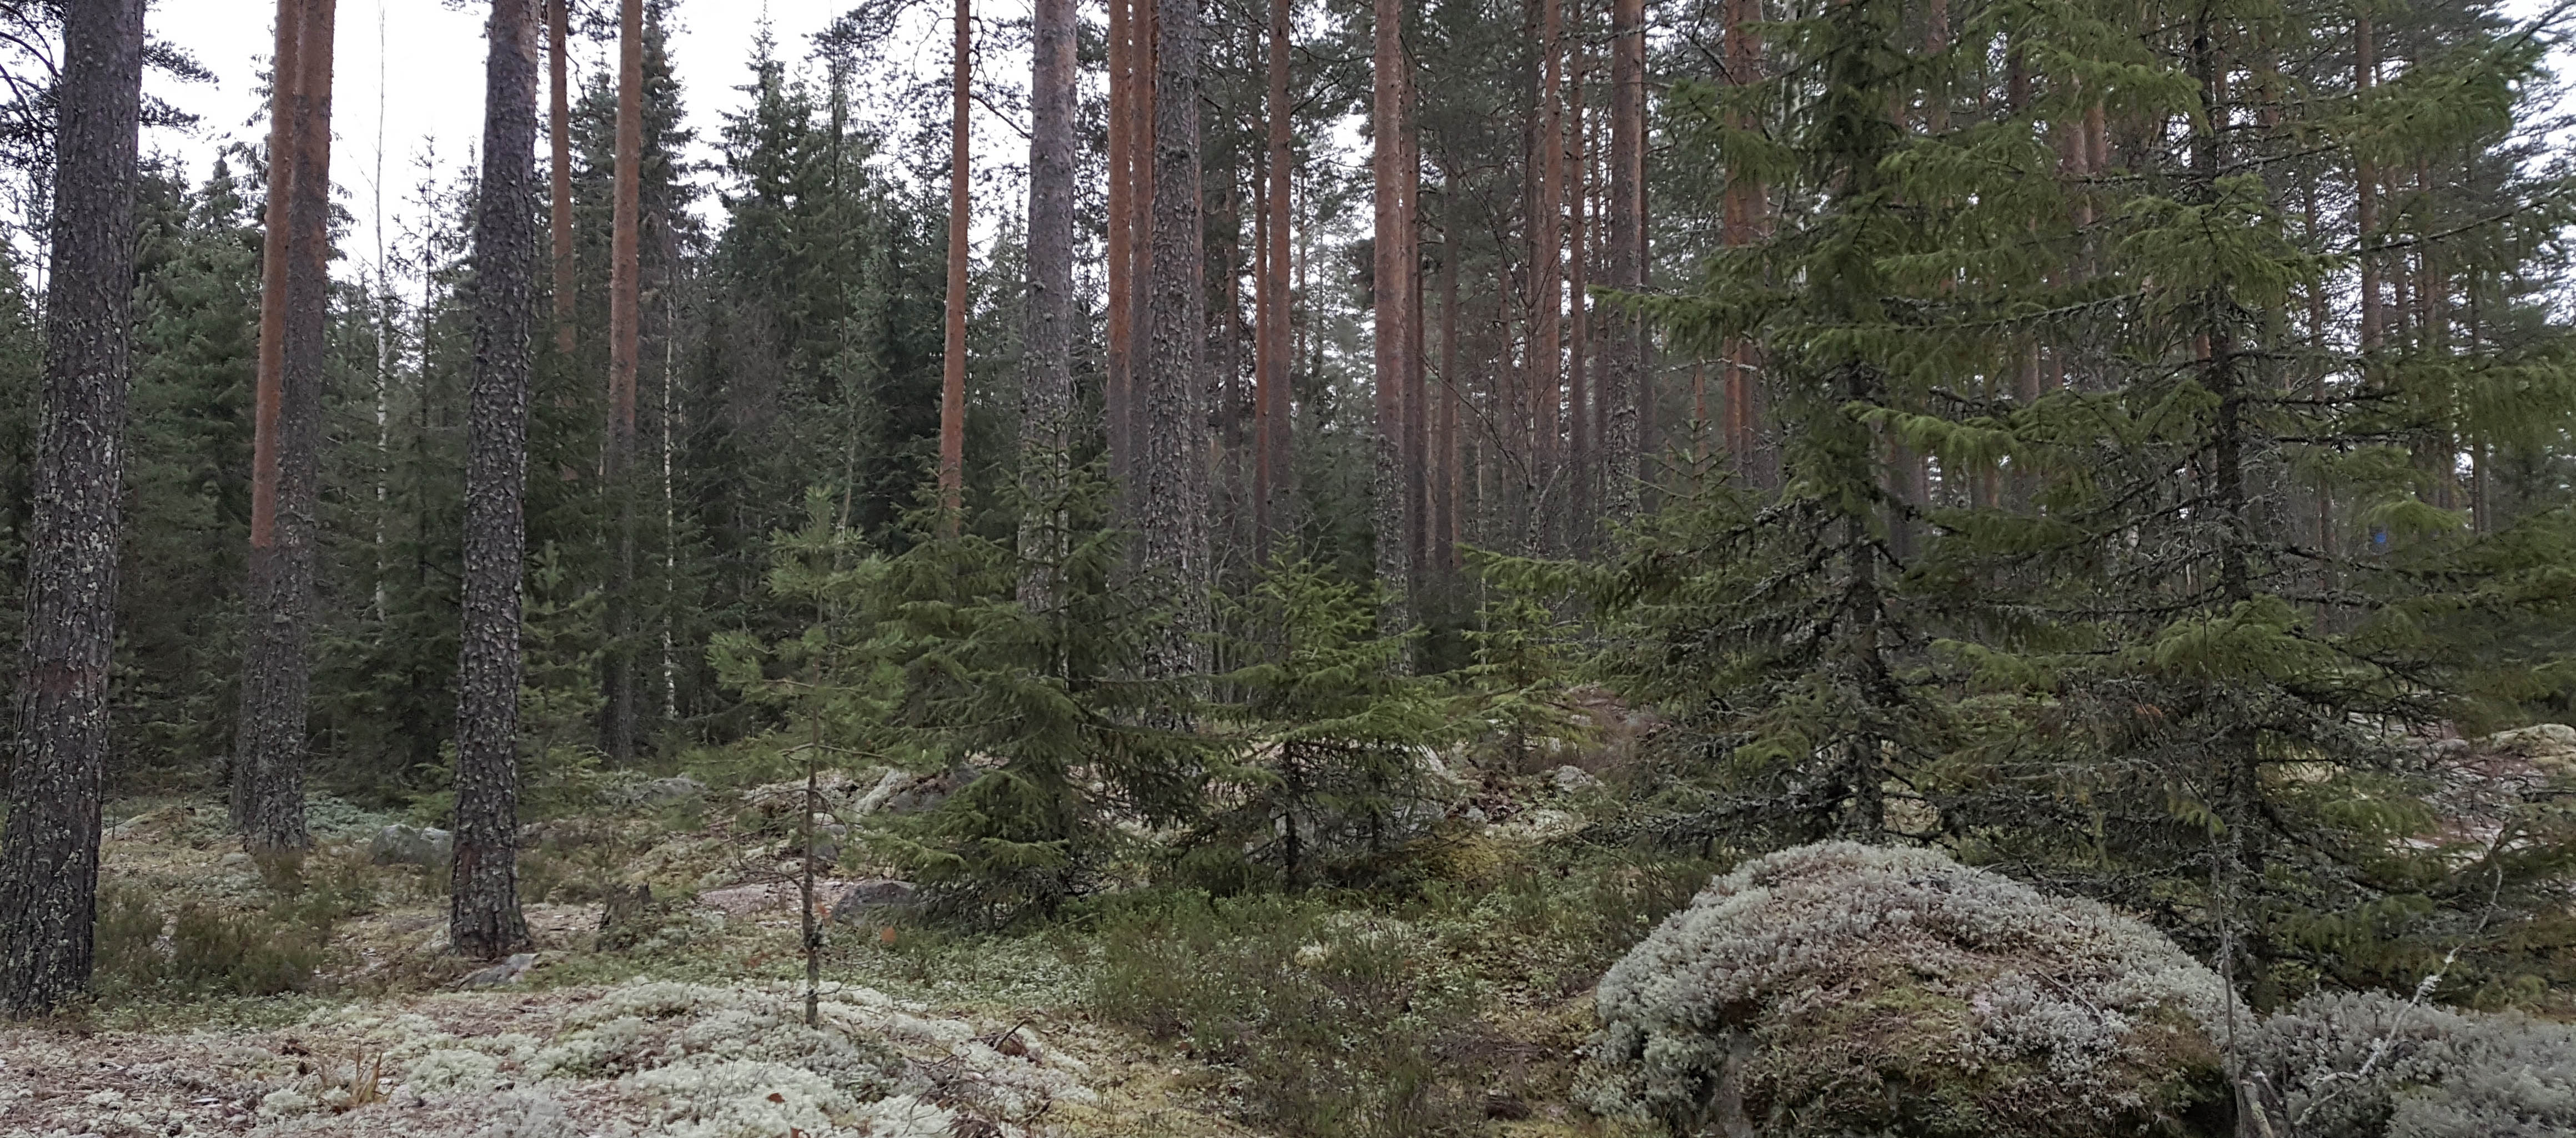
506, 972
1572, 779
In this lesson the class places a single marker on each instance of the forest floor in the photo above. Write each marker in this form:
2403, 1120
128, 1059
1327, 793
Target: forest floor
1454, 1004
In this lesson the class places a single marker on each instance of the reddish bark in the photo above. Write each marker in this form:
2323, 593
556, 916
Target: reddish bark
625, 331
268, 761
1118, 387
1392, 290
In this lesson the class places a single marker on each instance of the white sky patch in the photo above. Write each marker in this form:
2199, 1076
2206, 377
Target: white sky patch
408, 80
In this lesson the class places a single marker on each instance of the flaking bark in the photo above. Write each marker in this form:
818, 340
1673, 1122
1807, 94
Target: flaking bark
483, 913
1171, 489
49, 848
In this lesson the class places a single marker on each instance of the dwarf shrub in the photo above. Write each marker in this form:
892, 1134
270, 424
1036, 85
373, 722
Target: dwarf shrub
2369, 1065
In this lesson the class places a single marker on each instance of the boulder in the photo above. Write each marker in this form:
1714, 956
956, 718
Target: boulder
411, 845
509, 971
656, 792
2548, 746
1572, 779
859, 902
1841, 989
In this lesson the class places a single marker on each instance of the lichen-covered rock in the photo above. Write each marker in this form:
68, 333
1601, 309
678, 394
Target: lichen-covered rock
2549, 746
1841, 989
411, 845
2366, 1065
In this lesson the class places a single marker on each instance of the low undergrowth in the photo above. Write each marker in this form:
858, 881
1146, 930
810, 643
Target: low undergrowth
1436, 1011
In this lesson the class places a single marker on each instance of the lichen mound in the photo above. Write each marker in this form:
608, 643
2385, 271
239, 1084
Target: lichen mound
2367, 1065
1841, 989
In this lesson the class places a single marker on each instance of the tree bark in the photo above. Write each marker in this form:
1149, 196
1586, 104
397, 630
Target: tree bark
559, 120
1622, 348
1547, 279
952, 383
268, 762
1118, 384
1444, 436
1417, 379
1276, 472
1046, 392
1581, 454
625, 344
49, 847
1391, 296
483, 917
1172, 495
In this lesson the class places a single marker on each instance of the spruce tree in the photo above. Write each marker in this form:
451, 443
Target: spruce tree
1326, 776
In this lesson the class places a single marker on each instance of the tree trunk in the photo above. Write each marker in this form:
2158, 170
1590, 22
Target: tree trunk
2365, 75
49, 847
1118, 384
1391, 295
1417, 403
268, 764
559, 33
1444, 431
483, 911
1547, 280
1622, 348
1276, 472
1172, 490
1046, 392
1581, 455
952, 382
625, 344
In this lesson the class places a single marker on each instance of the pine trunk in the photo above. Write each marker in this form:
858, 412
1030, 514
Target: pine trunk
1547, 279
625, 344
559, 120
952, 378
483, 912
1444, 439
1581, 452
1624, 259
1391, 294
268, 764
1417, 401
1046, 392
1276, 472
1172, 492
1119, 359
49, 845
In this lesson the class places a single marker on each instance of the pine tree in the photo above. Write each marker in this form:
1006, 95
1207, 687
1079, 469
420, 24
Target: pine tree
268, 763
483, 912
49, 848
1046, 392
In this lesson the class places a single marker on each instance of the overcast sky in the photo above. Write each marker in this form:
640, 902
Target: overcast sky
418, 66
